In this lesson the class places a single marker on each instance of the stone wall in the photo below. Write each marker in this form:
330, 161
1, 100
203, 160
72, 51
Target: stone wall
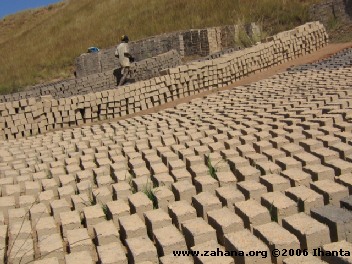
28, 117
200, 42
329, 10
142, 70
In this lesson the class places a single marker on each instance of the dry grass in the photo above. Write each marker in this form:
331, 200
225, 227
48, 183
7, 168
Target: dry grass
43, 46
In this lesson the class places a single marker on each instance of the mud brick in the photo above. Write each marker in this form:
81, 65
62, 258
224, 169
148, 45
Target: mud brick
22, 251
262, 145
51, 246
237, 162
50, 184
117, 209
32, 188
331, 191
229, 195
163, 179
12, 190
85, 175
168, 239
279, 205
38, 211
156, 219
206, 256
319, 172
121, 191
59, 206
337, 219
105, 233
163, 196
226, 178
17, 215
274, 154
343, 149
251, 189
183, 190
309, 231
267, 167
245, 241
141, 249
80, 201
198, 170
205, 202
341, 246
140, 203
276, 237
79, 257
274, 182
206, 184
181, 174
80, 241
305, 198
224, 221
303, 259
93, 215
181, 211
131, 226
46, 226
297, 177
229, 153
6, 203
306, 158
311, 144
69, 220
252, 213
295, 137
291, 149
345, 180
197, 231
329, 140
325, 154
111, 253
340, 166
288, 163
279, 142
19, 231
244, 150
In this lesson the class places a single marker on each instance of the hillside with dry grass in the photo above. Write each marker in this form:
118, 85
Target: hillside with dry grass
40, 45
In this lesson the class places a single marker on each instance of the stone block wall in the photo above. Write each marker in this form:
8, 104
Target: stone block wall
327, 10
28, 117
200, 42
142, 70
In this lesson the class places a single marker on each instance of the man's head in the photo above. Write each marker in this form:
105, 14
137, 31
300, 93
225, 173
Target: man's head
124, 38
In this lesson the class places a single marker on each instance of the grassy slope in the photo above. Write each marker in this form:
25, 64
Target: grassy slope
41, 45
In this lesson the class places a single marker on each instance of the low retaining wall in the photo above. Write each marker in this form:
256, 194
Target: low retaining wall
200, 42
329, 10
28, 117
142, 70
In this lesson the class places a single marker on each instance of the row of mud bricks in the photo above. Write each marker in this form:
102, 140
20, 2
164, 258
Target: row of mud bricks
141, 70
29, 117
193, 42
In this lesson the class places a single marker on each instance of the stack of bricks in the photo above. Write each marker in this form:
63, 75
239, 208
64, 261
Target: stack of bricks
193, 42
141, 70
29, 117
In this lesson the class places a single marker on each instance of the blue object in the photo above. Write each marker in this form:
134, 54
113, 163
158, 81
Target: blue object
93, 49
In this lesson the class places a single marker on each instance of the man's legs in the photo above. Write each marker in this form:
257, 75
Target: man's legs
124, 72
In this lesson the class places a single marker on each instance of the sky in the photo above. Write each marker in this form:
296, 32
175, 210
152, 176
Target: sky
8, 7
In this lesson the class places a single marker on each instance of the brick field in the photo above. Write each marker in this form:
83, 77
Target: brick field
261, 167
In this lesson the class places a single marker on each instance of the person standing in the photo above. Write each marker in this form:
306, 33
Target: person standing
125, 58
